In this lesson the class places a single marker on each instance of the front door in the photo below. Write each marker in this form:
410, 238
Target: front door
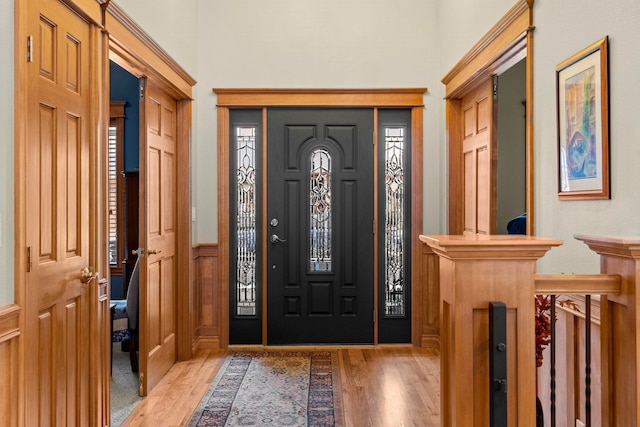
62, 338
158, 237
320, 226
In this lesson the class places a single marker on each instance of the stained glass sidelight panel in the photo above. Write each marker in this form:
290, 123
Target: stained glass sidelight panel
320, 211
394, 246
246, 263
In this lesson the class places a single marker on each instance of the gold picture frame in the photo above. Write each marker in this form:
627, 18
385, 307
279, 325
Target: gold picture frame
583, 124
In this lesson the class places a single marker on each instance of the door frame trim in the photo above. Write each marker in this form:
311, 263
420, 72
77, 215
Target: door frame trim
509, 41
131, 48
229, 98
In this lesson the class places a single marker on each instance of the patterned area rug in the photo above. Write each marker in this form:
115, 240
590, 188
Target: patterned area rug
278, 388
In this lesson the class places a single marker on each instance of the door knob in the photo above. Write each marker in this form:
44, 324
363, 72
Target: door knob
154, 251
87, 275
276, 239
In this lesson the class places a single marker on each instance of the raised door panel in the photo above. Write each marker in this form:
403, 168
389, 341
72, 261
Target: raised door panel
470, 192
483, 186
483, 108
153, 307
469, 122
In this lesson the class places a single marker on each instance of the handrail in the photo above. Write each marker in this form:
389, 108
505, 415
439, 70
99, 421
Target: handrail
586, 284
574, 284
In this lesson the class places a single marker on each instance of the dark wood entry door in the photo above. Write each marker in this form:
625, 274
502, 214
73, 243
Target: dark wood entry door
320, 229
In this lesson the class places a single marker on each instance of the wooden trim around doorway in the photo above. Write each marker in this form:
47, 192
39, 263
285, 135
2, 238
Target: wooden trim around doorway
509, 41
491, 51
132, 49
369, 98
320, 97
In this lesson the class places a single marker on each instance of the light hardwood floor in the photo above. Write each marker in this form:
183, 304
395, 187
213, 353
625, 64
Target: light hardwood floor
382, 386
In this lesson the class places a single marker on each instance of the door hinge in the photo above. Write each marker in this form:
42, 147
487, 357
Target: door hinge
141, 91
374, 226
30, 49
28, 259
373, 139
495, 88
374, 315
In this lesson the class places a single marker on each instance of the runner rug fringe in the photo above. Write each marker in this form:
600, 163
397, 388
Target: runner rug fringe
275, 388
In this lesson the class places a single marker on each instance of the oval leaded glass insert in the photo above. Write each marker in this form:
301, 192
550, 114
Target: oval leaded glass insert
394, 242
246, 221
320, 211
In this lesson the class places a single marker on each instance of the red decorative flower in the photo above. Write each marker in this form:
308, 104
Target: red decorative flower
543, 325
543, 322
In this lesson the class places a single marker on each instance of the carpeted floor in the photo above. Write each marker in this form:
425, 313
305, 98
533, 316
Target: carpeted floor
124, 387
277, 388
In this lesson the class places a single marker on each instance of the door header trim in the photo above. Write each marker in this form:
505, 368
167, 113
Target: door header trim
408, 97
132, 49
504, 42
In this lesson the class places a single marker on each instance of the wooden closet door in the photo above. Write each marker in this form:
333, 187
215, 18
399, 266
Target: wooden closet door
60, 312
158, 226
479, 161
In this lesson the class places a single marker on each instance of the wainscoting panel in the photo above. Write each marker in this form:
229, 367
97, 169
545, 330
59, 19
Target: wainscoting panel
9, 366
207, 322
427, 294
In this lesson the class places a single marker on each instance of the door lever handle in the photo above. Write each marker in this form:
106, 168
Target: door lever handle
276, 239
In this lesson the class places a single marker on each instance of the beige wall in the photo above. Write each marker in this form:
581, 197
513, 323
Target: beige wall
6, 152
300, 44
377, 43
562, 29
313, 44
461, 23
171, 24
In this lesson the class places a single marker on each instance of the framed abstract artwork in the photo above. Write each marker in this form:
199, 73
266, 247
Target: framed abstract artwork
583, 124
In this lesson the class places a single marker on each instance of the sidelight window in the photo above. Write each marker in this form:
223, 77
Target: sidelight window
246, 221
394, 242
320, 211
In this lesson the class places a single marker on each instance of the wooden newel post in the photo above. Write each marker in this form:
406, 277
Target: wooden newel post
620, 329
475, 270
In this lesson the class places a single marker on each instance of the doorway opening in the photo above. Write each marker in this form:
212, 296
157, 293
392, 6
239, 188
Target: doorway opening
319, 197
511, 203
476, 192
123, 222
